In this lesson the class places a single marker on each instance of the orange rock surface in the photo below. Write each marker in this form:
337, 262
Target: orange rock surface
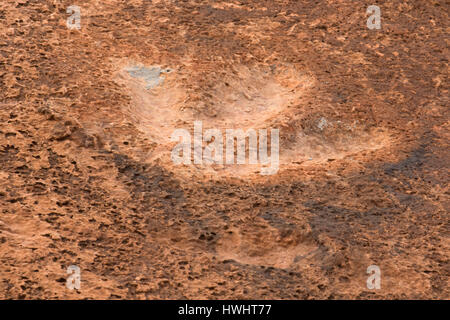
86, 177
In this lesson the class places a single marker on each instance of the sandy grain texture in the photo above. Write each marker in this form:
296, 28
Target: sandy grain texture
85, 171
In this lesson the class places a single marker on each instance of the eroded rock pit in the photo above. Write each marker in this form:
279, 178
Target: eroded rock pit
244, 98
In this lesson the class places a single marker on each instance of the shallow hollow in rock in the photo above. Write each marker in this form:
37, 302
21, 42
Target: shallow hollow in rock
244, 98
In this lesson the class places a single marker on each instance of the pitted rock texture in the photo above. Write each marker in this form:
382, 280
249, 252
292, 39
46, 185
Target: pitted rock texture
86, 177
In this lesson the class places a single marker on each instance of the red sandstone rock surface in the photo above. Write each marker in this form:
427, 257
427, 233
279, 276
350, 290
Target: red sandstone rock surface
86, 177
